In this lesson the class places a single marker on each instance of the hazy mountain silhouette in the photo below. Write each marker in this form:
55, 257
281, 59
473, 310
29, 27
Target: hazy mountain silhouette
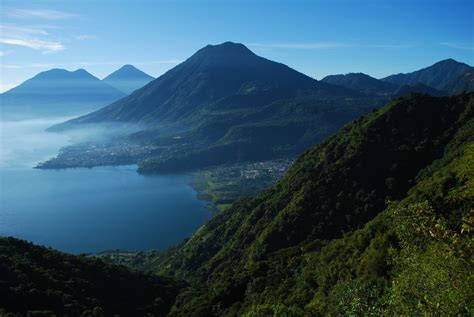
127, 79
58, 90
438, 75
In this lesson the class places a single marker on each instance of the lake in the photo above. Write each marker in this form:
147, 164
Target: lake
88, 210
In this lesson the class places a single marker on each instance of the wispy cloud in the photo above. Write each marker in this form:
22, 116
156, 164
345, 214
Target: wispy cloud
461, 46
5, 53
305, 46
323, 45
6, 87
165, 61
388, 45
39, 13
34, 37
24, 30
45, 46
84, 37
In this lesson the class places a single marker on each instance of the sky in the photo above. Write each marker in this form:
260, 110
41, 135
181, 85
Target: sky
318, 38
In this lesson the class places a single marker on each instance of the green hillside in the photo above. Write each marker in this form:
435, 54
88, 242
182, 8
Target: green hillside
36, 281
376, 220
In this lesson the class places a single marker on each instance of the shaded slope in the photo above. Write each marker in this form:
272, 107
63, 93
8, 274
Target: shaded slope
128, 79
436, 76
361, 82
252, 252
418, 88
465, 83
212, 73
34, 278
282, 128
225, 104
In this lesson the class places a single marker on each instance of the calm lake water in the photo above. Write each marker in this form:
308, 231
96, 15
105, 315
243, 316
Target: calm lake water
88, 210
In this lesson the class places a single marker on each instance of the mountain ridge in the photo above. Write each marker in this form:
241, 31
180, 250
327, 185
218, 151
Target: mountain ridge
361, 82
57, 91
436, 76
344, 223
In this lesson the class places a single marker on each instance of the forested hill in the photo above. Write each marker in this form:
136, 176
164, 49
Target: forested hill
327, 240
35, 281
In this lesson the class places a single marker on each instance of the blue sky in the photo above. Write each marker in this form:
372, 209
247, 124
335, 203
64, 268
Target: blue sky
318, 38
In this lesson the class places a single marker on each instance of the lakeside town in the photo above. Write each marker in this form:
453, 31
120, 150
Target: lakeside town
100, 154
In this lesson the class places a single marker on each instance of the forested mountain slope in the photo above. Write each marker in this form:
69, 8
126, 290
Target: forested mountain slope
225, 104
386, 201
36, 281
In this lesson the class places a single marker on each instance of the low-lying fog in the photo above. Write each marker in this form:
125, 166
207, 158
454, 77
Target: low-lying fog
24, 142
87, 210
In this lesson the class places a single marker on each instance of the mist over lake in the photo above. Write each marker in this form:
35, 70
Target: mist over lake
87, 210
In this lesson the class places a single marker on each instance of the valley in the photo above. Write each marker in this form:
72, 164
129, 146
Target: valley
236, 158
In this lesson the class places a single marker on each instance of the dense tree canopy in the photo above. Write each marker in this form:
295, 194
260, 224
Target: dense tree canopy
42, 282
348, 227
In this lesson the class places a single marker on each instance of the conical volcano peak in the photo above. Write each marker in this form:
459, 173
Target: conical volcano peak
127, 72
128, 78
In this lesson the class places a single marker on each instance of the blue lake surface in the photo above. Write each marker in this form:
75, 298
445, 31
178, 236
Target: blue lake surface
88, 210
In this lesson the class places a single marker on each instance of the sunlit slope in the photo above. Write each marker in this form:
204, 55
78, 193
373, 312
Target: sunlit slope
276, 253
